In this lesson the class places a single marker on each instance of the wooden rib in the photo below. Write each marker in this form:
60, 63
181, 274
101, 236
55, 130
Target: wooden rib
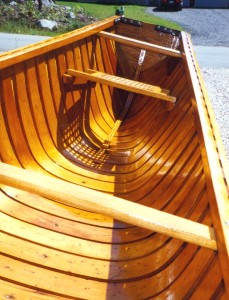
50, 280
115, 207
71, 253
12, 290
123, 83
45, 265
75, 263
140, 44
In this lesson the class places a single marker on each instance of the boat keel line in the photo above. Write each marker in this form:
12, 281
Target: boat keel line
84, 198
118, 122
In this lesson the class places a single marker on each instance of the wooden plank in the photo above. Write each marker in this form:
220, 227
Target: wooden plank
123, 83
50, 280
13, 290
140, 44
123, 210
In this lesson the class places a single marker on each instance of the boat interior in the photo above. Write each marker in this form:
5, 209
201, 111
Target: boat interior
110, 108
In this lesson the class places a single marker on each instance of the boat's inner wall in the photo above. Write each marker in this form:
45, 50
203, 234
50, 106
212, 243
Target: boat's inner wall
154, 159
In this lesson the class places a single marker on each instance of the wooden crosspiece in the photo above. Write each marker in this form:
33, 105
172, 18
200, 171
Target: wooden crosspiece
140, 44
123, 83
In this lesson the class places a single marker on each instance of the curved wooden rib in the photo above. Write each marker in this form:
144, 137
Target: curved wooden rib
156, 159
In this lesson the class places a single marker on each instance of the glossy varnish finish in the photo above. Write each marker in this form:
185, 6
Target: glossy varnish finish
58, 125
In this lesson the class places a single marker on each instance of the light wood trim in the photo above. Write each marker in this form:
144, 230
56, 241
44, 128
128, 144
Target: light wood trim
98, 202
217, 181
140, 44
123, 83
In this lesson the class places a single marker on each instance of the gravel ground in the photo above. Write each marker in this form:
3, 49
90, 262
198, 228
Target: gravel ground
209, 27
217, 84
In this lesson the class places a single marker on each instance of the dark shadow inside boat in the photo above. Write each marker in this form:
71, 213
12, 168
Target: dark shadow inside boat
78, 141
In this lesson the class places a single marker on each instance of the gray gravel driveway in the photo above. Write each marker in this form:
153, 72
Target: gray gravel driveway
209, 29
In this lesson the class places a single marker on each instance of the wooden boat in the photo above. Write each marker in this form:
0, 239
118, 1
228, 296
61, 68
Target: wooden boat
113, 175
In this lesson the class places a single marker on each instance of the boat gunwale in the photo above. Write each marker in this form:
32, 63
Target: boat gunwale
216, 164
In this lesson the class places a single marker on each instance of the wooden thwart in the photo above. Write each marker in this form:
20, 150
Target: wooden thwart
122, 83
98, 202
140, 44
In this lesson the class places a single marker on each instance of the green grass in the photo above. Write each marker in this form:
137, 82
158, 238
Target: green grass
16, 27
102, 11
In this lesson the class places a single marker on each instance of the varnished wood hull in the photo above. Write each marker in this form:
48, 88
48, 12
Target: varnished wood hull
161, 155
